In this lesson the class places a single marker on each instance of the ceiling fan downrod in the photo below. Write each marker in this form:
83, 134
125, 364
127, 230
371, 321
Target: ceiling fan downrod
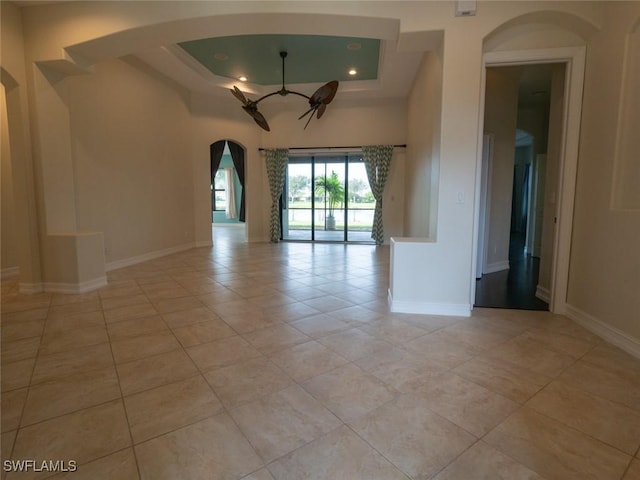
283, 91
318, 101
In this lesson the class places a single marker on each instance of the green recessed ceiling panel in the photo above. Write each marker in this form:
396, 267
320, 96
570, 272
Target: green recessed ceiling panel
310, 59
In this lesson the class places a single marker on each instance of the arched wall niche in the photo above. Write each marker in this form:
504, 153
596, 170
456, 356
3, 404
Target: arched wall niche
625, 195
545, 29
559, 38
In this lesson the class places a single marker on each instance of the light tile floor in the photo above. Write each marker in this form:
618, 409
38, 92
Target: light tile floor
264, 362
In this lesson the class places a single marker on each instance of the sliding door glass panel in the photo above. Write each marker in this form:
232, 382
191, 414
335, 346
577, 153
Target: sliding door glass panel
297, 201
329, 204
360, 202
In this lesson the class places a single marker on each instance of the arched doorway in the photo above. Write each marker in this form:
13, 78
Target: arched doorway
228, 199
501, 50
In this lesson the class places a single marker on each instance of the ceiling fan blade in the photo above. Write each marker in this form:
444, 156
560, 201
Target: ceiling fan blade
310, 117
257, 117
261, 121
239, 95
306, 113
321, 110
324, 94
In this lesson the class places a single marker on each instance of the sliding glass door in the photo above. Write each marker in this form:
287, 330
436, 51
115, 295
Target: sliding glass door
327, 198
360, 203
297, 200
329, 186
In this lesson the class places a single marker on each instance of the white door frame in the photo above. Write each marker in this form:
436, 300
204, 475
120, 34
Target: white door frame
574, 58
484, 214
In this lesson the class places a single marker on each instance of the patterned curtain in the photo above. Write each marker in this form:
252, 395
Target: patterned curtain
377, 159
276, 170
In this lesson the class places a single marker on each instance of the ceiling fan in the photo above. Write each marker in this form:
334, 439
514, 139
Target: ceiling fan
317, 102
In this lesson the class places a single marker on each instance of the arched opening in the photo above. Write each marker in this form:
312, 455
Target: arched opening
228, 198
557, 40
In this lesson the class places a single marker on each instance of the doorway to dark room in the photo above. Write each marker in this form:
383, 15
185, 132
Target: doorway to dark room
519, 183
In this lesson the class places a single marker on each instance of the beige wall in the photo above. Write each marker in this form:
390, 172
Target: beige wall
500, 118
423, 149
626, 194
605, 259
14, 80
534, 120
130, 142
8, 254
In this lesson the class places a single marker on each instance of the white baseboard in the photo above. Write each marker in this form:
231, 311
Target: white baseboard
55, 287
611, 334
204, 243
31, 288
127, 262
429, 308
497, 267
543, 294
9, 272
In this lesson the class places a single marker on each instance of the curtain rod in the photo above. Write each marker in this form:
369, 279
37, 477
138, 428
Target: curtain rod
329, 148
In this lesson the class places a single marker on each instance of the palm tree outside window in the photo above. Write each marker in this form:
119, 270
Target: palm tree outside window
333, 190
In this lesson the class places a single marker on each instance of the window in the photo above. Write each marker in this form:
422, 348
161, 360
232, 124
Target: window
219, 191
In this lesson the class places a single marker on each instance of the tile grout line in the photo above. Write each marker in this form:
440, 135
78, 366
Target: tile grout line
268, 359
124, 405
33, 368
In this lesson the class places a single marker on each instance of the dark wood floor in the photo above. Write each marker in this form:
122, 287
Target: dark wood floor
513, 288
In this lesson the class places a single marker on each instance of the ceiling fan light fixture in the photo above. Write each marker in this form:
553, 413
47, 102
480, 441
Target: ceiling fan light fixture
317, 102
353, 71
242, 78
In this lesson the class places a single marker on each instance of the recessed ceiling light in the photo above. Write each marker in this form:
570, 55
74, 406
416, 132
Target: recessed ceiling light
354, 46
353, 71
242, 79
221, 56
